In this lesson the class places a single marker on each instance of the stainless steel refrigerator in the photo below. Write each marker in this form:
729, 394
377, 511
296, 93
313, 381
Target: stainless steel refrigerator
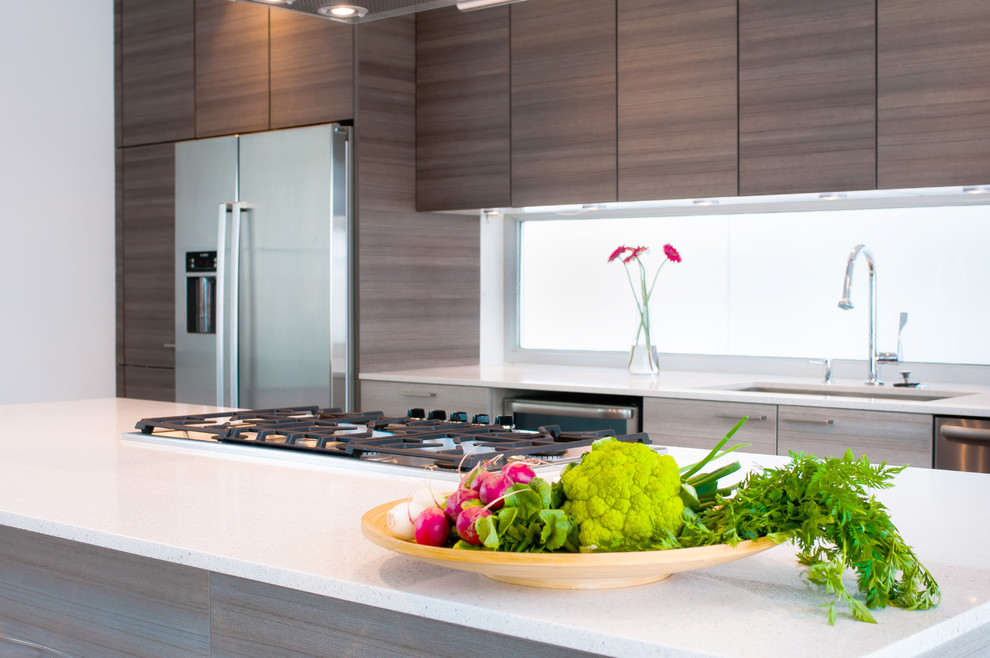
263, 269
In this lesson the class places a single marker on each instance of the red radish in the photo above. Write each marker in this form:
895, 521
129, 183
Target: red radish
432, 527
479, 479
518, 472
465, 523
456, 500
493, 488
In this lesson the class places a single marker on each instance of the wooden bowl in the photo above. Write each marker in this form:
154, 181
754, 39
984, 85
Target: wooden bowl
562, 570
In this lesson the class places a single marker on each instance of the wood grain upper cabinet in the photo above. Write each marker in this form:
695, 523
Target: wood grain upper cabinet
157, 78
677, 121
933, 92
231, 68
563, 102
462, 109
312, 72
807, 95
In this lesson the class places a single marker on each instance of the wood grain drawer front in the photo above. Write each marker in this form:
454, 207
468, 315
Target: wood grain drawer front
395, 398
933, 92
563, 102
702, 424
677, 120
892, 437
807, 96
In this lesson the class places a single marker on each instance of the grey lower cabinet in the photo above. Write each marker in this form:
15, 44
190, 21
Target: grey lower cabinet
883, 436
395, 398
702, 424
96, 602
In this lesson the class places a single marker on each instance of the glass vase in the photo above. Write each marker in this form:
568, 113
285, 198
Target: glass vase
644, 360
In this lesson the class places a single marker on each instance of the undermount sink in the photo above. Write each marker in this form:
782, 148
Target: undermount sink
829, 390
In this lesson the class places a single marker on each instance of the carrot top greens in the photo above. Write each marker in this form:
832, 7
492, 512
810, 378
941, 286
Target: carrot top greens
824, 506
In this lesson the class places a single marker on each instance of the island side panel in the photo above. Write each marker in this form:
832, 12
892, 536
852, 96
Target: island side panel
253, 619
90, 601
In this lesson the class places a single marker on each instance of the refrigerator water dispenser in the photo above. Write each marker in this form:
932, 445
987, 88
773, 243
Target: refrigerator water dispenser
201, 288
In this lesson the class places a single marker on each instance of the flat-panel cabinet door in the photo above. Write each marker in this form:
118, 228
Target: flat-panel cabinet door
312, 72
462, 109
157, 75
563, 102
896, 438
231, 68
702, 424
933, 84
807, 96
148, 222
677, 120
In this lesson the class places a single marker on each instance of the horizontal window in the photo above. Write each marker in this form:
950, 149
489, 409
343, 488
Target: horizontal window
763, 284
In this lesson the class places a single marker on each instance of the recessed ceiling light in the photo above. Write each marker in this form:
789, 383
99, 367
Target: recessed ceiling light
977, 189
343, 11
832, 196
706, 202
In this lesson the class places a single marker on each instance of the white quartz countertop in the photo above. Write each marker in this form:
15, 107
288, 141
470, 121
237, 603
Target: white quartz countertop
962, 399
65, 471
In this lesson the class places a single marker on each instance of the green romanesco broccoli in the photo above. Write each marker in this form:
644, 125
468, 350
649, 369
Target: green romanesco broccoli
624, 496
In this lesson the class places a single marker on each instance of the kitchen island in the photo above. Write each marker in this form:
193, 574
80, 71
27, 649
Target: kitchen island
112, 545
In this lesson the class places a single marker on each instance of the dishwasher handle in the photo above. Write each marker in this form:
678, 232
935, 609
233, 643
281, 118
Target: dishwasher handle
960, 433
571, 409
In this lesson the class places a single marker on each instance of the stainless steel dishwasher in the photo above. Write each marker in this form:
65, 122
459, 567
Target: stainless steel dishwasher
576, 414
962, 444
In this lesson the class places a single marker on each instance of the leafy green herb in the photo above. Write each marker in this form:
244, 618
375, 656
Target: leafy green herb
825, 508
526, 523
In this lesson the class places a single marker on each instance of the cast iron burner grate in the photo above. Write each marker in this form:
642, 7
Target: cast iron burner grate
373, 436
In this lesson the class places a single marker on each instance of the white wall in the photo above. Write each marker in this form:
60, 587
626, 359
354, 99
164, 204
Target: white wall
56, 200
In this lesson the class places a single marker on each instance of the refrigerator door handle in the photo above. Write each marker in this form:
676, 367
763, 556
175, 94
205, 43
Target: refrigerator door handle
221, 322
227, 285
235, 318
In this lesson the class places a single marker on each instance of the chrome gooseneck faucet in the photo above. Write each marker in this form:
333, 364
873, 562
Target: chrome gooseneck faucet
845, 304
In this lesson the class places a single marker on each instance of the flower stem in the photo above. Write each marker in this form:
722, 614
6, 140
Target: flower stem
639, 307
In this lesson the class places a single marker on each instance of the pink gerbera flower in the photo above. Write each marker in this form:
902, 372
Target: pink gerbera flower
636, 253
671, 253
618, 252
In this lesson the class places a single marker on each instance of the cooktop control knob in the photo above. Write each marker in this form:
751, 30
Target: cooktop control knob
437, 414
458, 416
481, 419
504, 421
416, 413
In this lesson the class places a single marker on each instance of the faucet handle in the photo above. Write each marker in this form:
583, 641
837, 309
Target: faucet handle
898, 356
828, 368
900, 330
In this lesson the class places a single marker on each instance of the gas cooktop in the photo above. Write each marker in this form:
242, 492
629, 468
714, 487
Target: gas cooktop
431, 440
